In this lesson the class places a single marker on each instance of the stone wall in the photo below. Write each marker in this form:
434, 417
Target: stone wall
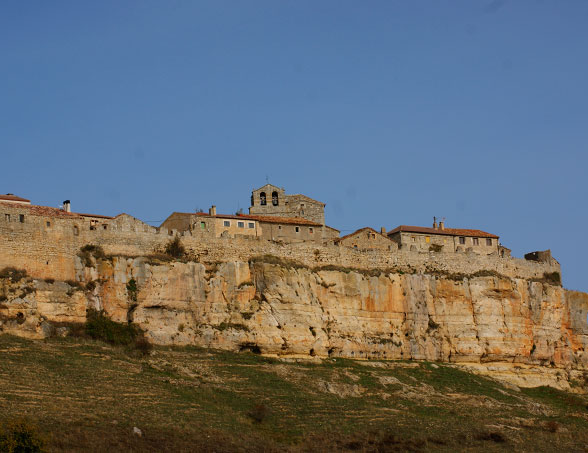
421, 242
49, 251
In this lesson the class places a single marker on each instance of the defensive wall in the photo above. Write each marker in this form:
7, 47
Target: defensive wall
49, 250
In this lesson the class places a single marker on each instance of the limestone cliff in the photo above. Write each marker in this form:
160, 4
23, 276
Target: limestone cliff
286, 309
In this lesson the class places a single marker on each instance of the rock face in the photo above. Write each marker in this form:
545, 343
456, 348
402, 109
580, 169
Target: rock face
284, 309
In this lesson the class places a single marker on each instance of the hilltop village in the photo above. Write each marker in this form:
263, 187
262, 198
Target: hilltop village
38, 238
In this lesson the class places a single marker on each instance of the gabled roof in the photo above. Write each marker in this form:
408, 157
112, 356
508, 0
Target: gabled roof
44, 211
11, 197
262, 219
312, 200
444, 232
268, 184
98, 216
359, 231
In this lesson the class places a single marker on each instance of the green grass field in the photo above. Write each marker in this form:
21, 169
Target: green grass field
85, 395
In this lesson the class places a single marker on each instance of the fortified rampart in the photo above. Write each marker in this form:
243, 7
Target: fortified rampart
49, 251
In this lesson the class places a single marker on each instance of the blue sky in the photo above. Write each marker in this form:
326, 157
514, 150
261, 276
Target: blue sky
390, 112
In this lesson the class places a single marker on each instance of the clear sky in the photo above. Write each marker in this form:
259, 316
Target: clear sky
390, 112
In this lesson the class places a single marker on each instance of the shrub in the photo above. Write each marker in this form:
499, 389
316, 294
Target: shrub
553, 278
258, 412
435, 248
49, 280
132, 289
88, 251
174, 248
143, 346
100, 327
15, 275
20, 435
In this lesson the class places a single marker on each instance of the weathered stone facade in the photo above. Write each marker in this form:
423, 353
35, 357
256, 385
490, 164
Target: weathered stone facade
270, 200
448, 240
367, 239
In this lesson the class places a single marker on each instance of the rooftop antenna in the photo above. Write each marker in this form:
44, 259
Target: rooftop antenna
266, 179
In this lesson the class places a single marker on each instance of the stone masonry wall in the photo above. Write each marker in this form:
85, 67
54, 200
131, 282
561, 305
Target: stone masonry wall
49, 252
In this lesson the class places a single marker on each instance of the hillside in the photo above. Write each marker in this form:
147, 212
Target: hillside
88, 396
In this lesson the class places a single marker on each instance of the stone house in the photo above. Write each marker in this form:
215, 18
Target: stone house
441, 239
367, 239
270, 200
272, 228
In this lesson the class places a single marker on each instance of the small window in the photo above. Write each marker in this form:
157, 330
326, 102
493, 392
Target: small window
476, 241
279, 227
227, 223
311, 230
241, 224
76, 231
462, 240
275, 200
251, 225
298, 229
262, 199
488, 241
427, 238
21, 218
373, 235
413, 238
48, 224
105, 226
355, 246
7, 217
202, 225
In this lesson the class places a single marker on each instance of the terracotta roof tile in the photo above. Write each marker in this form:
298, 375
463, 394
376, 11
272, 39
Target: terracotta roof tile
444, 232
261, 218
44, 211
11, 197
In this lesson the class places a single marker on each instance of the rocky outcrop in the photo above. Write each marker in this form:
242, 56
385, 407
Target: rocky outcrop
286, 309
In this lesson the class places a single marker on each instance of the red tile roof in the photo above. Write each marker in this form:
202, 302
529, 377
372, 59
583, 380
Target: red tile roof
95, 215
11, 197
44, 211
444, 232
263, 219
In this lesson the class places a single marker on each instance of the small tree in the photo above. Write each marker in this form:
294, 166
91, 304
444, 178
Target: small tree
174, 248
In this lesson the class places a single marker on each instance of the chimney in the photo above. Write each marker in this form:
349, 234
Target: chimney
434, 223
383, 230
212, 210
67, 206
442, 225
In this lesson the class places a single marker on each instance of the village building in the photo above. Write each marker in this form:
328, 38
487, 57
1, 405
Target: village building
367, 239
270, 200
271, 228
441, 239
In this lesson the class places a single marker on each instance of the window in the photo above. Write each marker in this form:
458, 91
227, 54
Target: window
76, 231
251, 225
7, 217
355, 246
413, 238
462, 240
202, 225
262, 200
476, 241
48, 223
488, 241
105, 227
227, 223
279, 227
311, 230
241, 224
21, 218
427, 238
275, 198
298, 229
373, 235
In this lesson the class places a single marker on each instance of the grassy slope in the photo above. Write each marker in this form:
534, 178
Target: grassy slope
87, 396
